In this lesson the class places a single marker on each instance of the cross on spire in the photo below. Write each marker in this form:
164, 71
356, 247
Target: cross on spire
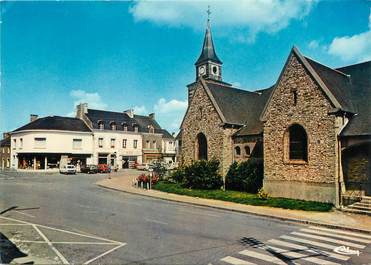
208, 13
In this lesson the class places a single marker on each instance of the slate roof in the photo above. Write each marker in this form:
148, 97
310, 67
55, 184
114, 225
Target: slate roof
56, 123
239, 106
208, 51
5, 142
122, 118
360, 95
337, 82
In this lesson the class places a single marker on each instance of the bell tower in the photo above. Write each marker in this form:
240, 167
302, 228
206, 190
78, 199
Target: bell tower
208, 65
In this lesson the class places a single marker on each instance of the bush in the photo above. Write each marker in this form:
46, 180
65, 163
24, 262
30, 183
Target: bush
246, 176
159, 169
178, 175
202, 175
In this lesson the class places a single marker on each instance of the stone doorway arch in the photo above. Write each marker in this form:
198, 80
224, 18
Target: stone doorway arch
201, 147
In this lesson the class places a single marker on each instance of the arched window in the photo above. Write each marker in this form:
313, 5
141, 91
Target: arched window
247, 150
237, 151
113, 126
101, 125
201, 147
298, 143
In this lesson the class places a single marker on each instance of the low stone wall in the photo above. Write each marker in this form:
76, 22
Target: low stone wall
301, 190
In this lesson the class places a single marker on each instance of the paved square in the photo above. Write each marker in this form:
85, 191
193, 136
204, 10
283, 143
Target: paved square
28, 242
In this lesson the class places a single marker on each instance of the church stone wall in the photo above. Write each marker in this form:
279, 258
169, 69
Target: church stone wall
203, 117
315, 179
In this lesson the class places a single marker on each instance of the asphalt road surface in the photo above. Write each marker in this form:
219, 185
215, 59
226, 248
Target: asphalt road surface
53, 218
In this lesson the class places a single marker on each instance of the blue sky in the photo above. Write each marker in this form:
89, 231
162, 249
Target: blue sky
120, 55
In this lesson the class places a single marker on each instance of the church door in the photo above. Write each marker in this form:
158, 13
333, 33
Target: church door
202, 146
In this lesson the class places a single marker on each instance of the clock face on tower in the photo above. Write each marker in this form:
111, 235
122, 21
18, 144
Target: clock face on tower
201, 70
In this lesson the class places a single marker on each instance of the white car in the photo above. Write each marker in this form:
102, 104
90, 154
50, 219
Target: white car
67, 169
144, 166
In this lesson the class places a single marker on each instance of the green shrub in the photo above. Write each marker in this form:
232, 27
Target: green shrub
178, 175
203, 175
245, 176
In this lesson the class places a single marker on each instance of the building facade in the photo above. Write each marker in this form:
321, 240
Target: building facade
50, 142
312, 128
5, 151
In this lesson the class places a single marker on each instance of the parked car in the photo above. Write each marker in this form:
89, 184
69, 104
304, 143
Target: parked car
104, 168
90, 169
67, 169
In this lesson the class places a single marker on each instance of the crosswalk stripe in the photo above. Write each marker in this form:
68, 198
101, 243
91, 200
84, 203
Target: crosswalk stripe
236, 261
307, 249
305, 241
264, 257
301, 256
340, 242
362, 240
337, 231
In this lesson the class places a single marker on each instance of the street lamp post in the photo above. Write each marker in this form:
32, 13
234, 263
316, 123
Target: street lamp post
150, 177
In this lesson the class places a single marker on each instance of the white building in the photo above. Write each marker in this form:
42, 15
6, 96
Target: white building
93, 137
46, 143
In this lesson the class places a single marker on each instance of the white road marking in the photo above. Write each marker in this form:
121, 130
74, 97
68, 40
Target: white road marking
13, 224
236, 261
362, 240
156, 221
62, 230
340, 242
301, 256
62, 242
61, 257
341, 232
105, 253
305, 248
305, 241
26, 214
264, 257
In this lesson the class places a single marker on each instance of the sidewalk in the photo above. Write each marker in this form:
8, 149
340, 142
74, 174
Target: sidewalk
335, 219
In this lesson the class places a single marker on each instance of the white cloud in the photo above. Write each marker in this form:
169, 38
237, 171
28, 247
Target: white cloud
174, 105
353, 48
314, 44
170, 113
140, 110
252, 16
93, 99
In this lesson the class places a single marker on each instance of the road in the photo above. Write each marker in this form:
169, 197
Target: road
68, 219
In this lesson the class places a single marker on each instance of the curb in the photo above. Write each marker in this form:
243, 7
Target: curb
286, 219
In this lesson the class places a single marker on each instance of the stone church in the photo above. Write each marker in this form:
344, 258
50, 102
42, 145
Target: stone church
312, 128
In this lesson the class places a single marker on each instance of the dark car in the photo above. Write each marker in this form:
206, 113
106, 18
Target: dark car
90, 169
104, 168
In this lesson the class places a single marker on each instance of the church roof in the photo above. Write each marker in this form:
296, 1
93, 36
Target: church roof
359, 95
5, 142
208, 51
240, 107
56, 123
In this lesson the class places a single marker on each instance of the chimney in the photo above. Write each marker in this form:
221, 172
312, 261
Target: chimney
81, 109
33, 117
6, 135
130, 113
152, 116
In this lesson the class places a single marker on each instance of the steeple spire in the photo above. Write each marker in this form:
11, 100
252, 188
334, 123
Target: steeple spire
208, 51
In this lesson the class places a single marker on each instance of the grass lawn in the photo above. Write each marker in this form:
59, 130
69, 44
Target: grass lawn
244, 198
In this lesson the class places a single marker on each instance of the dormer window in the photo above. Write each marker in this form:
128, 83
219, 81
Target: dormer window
101, 125
124, 127
135, 127
113, 126
151, 129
